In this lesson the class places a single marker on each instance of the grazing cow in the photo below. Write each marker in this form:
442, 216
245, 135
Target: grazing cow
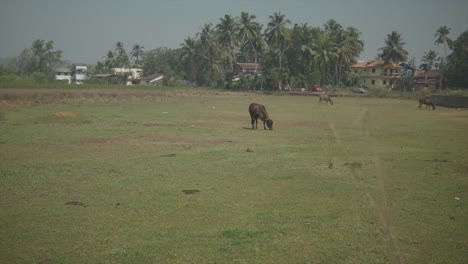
426, 101
326, 98
258, 111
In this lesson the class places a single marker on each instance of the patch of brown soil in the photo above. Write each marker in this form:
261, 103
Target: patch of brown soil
65, 114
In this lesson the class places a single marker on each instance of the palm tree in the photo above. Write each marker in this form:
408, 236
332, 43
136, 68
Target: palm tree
324, 51
332, 27
137, 53
393, 52
189, 56
302, 38
442, 38
276, 34
109, 60
430, 57
348, 46
249, 33
227, 32
210, 55
121, 57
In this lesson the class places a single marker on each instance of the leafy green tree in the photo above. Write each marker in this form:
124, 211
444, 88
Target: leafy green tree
100, 68
25, 62
164, 61
45, 56
431, 58
458, 62
393, 51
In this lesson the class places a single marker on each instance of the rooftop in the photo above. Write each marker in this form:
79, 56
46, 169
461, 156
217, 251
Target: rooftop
373, 64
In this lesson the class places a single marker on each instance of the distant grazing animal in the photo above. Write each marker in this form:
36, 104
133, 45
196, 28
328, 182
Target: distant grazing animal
426, 101
258, 111
326, 98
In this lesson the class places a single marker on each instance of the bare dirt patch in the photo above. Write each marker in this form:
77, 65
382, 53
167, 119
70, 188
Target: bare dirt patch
65, 114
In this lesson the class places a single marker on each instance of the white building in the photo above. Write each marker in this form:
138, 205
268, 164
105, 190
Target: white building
63, 74
134, 74
77, 74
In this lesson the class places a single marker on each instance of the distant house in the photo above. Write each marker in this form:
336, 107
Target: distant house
246, 68
427, 79
63, 74
376, 74
77, 74
153, 79
407, 69
133, 74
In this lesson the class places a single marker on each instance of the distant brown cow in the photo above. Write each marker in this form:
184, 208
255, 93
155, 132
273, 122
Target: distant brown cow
258, 111
326, 98
426, 101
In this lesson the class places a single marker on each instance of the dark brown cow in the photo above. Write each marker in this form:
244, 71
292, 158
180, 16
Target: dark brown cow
258, 111
326, 98
426, 101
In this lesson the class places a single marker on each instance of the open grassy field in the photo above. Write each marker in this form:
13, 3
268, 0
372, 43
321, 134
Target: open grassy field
164, 177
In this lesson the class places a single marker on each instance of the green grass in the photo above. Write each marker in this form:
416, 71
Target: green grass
363, 181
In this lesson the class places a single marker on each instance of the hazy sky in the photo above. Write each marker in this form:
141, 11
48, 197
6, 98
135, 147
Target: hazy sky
85, 29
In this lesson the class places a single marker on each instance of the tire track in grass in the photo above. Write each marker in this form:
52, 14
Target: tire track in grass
383, 211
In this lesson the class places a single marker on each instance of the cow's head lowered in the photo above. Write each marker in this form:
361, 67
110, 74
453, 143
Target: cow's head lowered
269, 124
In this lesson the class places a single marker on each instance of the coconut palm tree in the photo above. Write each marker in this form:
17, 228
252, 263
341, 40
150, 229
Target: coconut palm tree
210, 55
249, 33
393, 51
309, 34
137, 53
332, 27
324, 51
431, 58
109, 60
227, 33
442, 38
276, 34
121, 57
189, 56
348, 46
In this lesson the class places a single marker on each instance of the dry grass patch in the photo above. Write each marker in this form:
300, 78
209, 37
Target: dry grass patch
65, 114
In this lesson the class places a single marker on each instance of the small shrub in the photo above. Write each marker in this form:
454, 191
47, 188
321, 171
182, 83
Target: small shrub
379, 92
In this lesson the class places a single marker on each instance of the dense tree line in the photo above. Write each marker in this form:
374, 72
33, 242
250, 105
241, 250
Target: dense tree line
290, 55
